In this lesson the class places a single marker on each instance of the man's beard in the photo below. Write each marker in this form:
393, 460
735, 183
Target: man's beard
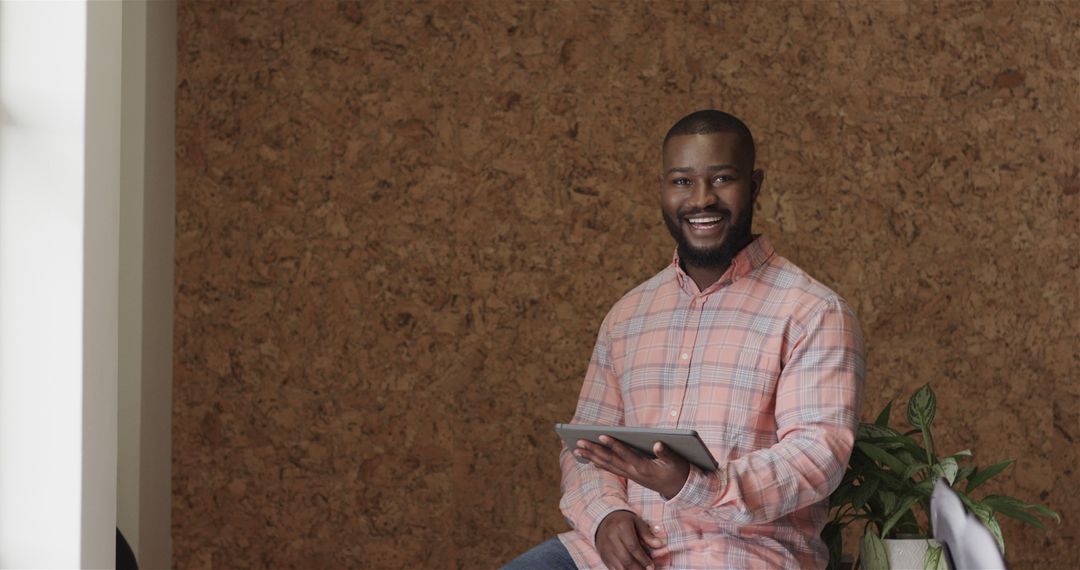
736, 236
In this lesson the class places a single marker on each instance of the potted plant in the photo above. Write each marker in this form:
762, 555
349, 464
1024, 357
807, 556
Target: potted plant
888, 484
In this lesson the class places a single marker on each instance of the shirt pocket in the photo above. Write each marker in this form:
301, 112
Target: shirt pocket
646, 378
736, 402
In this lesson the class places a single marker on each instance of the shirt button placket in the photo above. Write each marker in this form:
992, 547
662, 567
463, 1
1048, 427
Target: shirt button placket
684, 355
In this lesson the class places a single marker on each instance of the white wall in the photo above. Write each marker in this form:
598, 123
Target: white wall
133, 127
86, 164
147, 214
42, 221
101, 276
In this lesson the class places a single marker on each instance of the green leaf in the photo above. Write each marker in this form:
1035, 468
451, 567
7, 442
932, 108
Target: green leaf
964, 472
995, 529
964, 453
1046, 512
873, 556
1023, 516
902, 442
905, 505
913, 469
949, 469
889, 480
859, 463
980, 476
881, 456
935, 558
1017, 509
924, 489
883, 418
978, 509
867, 431
888, 501
986, 515
833, 537
909, 525
907, 457
863, 492
928, 444
841, 496
921, 408
832, 534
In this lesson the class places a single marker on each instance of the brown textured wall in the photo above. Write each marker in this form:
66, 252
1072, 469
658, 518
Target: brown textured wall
400, 224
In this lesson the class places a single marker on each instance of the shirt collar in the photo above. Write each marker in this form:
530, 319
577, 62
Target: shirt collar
754, 255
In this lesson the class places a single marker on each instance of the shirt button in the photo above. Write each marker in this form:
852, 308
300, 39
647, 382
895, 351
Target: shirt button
685, 356
674, 413
657, 528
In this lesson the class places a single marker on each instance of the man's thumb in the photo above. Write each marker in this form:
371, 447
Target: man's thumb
649, 535
662, 451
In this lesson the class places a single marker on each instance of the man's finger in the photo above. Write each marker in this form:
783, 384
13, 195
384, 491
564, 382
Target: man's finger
630, 460
663, 452
598, 454
601, 463
592, 455
620, 449
638, 556
595, 449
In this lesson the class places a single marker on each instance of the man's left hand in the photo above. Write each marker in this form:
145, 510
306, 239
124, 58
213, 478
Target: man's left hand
666, 473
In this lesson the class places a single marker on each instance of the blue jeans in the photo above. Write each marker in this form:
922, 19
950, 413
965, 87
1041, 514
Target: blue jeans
549, 555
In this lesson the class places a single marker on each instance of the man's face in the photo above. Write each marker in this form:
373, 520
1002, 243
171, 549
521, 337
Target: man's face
707, 192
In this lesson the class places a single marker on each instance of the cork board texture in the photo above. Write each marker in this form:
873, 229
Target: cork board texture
400, 225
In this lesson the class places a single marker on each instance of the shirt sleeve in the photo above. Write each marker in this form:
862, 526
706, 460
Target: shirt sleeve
590, 494
818, 400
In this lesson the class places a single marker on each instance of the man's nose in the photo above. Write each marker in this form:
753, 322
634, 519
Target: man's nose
702, 196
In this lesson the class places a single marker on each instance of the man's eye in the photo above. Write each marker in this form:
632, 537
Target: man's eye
681, 181
721, 179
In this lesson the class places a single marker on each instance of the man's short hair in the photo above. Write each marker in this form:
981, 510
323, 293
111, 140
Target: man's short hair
710, 121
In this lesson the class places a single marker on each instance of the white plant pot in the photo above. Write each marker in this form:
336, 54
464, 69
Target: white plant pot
908, 553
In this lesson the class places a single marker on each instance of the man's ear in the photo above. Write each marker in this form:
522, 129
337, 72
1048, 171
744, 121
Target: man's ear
758, 179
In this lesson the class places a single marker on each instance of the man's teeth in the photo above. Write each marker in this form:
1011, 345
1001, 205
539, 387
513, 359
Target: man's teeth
705, 220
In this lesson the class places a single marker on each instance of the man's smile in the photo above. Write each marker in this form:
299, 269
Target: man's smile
706, 225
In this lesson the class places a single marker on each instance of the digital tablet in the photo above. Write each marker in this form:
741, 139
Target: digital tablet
685, 442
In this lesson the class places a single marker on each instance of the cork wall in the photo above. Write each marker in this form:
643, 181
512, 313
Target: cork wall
399, 226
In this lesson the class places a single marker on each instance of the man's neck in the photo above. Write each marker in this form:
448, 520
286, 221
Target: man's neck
704, 277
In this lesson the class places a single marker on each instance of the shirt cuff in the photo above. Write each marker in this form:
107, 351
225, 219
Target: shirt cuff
701, 489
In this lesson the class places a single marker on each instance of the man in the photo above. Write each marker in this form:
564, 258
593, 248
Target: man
735, 342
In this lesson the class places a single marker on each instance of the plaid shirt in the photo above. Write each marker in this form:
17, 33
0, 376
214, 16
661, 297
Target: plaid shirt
767, 365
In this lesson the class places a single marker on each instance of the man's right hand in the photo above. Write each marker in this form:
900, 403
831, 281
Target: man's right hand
621, 540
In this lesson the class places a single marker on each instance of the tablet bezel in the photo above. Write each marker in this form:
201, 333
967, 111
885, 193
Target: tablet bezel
685, 442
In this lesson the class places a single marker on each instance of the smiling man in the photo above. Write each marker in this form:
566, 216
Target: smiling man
730, 340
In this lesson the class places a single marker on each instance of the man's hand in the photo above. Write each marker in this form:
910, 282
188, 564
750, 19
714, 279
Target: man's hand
621, 540
666, 474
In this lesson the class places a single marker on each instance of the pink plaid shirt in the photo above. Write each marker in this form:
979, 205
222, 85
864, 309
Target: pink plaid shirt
767, 365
